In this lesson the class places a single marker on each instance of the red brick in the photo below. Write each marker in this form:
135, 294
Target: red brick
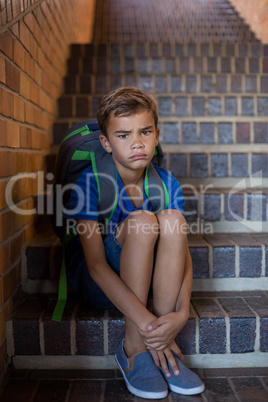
29, 113
25, 85
34, 91
25, 137
7, 163
6, 224
29, 65
3, 203
1, 297
3, 315
3, 19
24, 35
37, 74
13, 134
10, 282
3, 131
15, 29
20, 162
29, 21
18, 56
6, 44
19, 109
15, 248
6, 100
2, 70
242, 132
4, 258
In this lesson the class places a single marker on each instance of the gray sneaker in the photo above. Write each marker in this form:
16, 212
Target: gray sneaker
141, 375
186, 383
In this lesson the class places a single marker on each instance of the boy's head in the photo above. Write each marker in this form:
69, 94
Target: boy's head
124, 102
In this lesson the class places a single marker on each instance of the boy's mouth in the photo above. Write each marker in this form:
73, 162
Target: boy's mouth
138, 156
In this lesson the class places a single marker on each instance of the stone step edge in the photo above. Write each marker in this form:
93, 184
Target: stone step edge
179, 148
227, 360
47, 286
196, 48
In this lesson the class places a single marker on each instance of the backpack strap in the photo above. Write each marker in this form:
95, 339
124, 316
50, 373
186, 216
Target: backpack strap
155, 189
62, 294
106, 178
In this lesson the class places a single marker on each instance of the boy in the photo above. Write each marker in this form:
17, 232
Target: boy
140, 250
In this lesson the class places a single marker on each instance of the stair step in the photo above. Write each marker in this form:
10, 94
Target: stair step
177, 107
166, 65
236, 261
225, 329
176, 49
227, 165
171, 81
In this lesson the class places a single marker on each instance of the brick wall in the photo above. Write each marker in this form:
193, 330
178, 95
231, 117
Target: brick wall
34, 39
255, 13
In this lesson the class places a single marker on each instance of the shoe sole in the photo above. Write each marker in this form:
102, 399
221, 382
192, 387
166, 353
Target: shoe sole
185, 391
138, 392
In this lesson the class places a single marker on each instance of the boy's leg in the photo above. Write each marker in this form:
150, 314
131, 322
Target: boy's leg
170, 261
137, 235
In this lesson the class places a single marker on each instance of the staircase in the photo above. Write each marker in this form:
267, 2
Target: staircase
213, 108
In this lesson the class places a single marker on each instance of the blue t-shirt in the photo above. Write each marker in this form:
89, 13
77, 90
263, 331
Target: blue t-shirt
84, 199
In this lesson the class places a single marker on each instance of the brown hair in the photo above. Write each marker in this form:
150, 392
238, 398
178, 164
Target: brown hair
125, 101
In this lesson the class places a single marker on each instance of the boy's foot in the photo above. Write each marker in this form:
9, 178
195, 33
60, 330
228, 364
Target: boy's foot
186, 383
141, 375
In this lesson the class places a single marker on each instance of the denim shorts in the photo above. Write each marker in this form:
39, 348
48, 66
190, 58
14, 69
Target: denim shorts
79, 277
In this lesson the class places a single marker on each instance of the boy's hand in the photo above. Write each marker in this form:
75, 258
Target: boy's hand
163, 330
161, 359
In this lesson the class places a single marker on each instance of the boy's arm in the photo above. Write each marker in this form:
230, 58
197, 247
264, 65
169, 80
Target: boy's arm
110, 283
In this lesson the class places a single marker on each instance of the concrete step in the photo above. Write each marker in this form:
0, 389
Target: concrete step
174, 49
221, 261
178, 108
180, 65
238, 166
225, 329
168, 79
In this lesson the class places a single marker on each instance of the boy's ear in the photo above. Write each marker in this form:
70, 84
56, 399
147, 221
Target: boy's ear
105, 143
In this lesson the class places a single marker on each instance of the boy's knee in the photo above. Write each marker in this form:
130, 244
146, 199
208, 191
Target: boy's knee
140, 224
172, 224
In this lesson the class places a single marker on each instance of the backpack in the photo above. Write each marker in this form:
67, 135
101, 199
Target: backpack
79, 149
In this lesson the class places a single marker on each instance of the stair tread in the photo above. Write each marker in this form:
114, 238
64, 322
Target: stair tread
205, 332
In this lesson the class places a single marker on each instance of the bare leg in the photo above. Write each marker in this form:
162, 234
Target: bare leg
137, 235
170, 262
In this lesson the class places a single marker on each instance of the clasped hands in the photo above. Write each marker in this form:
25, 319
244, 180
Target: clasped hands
159, 340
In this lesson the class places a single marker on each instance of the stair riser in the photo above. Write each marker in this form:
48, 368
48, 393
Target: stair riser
170, 78
218, 261
82, 107
160, 49
216, 327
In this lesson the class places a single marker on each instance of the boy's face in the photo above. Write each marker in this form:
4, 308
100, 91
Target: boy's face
131, 140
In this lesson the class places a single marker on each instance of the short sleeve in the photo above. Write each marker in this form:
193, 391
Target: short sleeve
176, 200
173, 189
83, 203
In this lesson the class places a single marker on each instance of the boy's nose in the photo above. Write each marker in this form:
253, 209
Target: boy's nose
137, 144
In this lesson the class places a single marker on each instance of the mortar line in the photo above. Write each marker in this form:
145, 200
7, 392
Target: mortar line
237, 259
258, 326
105, 334
234, 389
228, 326
73, 330
20, 16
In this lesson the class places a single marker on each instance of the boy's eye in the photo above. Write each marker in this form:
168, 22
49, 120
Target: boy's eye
146, 132
123, 136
